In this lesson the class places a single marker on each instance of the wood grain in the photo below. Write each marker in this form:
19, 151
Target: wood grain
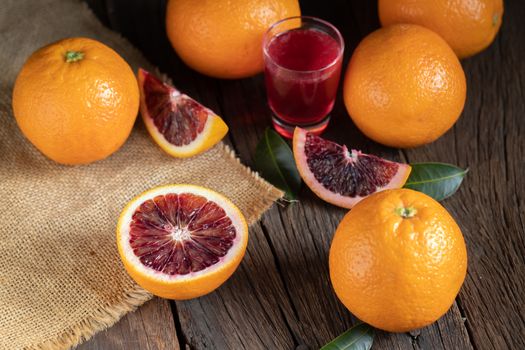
151, 327
281, 298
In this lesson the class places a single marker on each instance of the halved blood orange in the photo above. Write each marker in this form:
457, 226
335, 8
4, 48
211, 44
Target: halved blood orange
181, 126
341, 177
181, 241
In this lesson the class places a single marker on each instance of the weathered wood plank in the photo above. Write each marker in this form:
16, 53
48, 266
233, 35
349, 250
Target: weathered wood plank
488, 139
248, 312
150, 327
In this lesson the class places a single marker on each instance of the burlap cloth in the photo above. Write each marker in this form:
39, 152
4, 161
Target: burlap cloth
61, 279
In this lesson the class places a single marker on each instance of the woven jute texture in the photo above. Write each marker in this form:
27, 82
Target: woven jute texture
61, 279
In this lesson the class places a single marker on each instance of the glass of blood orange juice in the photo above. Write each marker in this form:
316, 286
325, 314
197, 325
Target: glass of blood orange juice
302, 67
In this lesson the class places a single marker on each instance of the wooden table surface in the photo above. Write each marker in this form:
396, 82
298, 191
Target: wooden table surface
280, 297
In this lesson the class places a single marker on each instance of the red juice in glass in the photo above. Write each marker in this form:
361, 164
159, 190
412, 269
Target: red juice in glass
302, 57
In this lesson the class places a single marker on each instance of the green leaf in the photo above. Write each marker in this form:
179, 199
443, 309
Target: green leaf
438, 180
274, 161
359, 337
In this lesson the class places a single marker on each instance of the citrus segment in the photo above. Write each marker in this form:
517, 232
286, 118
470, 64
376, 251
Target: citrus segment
181, 241
181, 126
343, 177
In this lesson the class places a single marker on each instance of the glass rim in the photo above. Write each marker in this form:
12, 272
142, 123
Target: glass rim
311, 18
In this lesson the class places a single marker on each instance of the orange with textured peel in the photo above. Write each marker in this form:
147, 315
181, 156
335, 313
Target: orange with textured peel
76, 100
398, 260
469, 26
404, 86
223, 39
181, 126
342, 177
181, 241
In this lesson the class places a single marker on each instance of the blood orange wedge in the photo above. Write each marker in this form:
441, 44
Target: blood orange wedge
181, 241
341, 177
181, 126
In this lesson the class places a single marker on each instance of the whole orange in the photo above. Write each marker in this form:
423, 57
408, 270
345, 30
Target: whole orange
76, 100
223, 39
404, 86
398, 260
469, 26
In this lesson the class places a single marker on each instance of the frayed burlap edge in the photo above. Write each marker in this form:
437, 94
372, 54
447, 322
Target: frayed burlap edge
110, 313
273, 194
100, 319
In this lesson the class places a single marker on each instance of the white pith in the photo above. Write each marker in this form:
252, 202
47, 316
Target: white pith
351, 156
178, 234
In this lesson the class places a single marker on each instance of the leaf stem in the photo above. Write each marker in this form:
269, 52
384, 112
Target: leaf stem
437, 178
73, 56
406, 213
272, 155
